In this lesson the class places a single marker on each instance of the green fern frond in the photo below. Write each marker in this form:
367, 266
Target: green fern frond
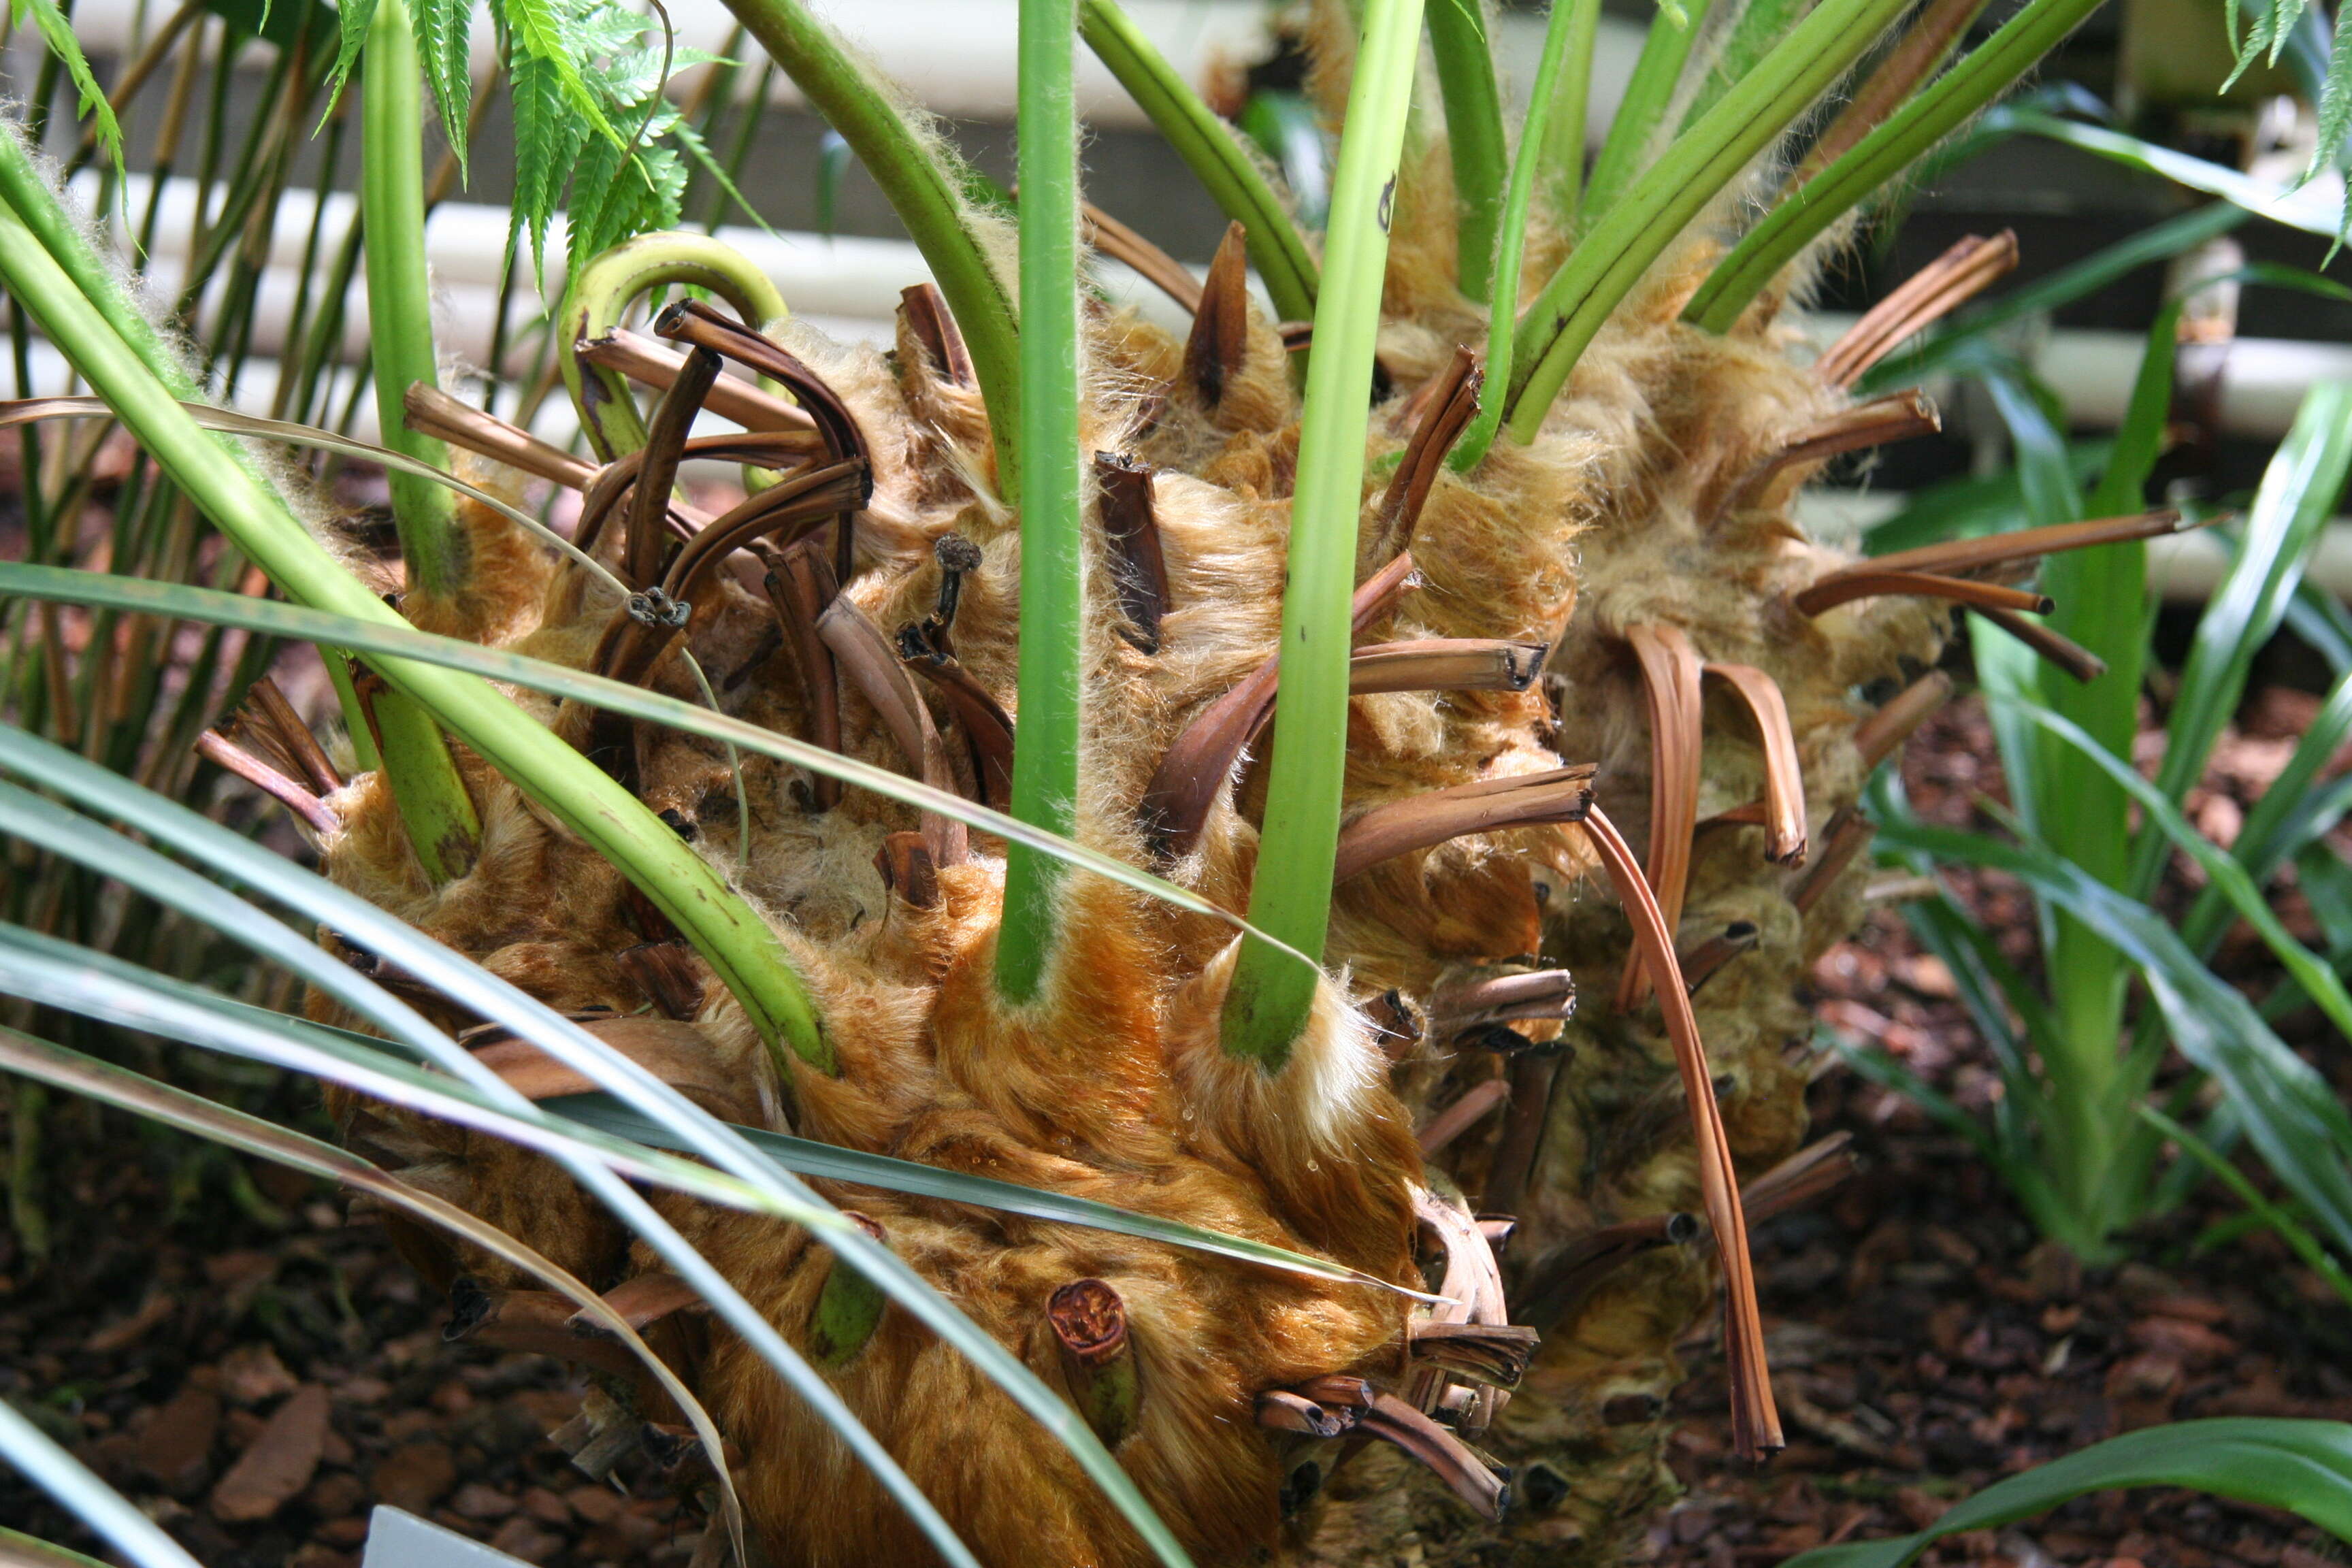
56, 33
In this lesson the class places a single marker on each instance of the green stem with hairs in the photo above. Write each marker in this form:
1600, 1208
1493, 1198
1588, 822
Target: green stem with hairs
1291, 898
1569, 30
1211, 151
601, 296
927, 195
442, 826
1644, 107
1753, 32
399, 296
1655, 208
744, 953
1802, 216
1053, 545
1563, 148
25, 192
1474, 136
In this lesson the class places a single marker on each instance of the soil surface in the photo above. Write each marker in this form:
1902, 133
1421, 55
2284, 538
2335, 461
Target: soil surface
256, 1368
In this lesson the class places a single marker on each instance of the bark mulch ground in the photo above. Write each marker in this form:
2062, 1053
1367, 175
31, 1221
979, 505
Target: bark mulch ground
213, 1339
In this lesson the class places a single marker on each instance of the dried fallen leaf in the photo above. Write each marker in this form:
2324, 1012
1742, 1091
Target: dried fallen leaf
281, 1461
177, 1443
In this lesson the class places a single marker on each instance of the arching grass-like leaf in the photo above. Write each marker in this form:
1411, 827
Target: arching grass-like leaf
2297, 494
2304, 1467
37, 1455
565, 1041
2292, 1115
181, 602
142, 1096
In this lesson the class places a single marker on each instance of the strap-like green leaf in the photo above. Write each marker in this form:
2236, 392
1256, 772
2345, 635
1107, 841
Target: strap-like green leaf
2292, 1115
185, 602
2304, 1467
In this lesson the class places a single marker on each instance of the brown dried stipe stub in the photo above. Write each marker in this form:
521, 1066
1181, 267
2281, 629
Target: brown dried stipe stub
1700, 963
1845, 587
1219, 341
646, 529
935, 328
218, 750
800, 584
642, 360
429, 411
1899, 417
1966, 270
1138, 566
669, 974
1105, 234
2056, 647
1448, 402
1477, 1102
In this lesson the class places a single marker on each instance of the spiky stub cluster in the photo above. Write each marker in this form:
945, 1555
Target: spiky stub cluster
1630, 591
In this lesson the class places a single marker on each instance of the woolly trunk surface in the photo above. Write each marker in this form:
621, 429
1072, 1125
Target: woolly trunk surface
1633, 510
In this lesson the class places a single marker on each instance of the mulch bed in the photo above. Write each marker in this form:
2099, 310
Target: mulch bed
1924, 1344
215, 1339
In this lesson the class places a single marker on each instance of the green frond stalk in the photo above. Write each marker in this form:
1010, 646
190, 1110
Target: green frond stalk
1474, 135
601, 296
1211, 151
442, 826
1635, 231
1291, 898
27, 191
927, 195
1753, 33
400, 298
1568, 33
1803, 215
741, 948
1053, 545
1563, 148
1642, 110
